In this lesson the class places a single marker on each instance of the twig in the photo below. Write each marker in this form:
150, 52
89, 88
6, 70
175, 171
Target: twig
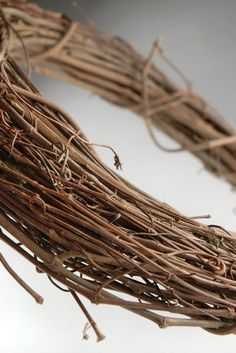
99, 334
20, 281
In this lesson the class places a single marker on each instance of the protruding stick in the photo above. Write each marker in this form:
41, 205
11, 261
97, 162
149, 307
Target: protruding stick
99, 334
35, 295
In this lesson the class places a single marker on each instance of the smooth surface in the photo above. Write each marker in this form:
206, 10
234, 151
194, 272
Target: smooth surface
200, 39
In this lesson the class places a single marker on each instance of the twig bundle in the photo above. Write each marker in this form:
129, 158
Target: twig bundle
111, 68
84, 226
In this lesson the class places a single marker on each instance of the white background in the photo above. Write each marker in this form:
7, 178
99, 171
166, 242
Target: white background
200, 39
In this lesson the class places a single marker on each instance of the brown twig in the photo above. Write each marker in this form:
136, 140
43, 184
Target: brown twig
99, 334
20, 281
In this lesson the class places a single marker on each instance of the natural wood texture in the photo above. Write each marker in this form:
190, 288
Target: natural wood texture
111, 68
84, 226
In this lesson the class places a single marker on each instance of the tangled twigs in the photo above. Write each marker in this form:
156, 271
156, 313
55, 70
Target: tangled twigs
93, 232
175, 99
111, 68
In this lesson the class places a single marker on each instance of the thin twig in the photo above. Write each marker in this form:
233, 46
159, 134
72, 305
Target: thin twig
20, 281
99, 334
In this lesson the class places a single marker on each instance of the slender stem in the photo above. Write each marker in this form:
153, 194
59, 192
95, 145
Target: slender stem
20, 281
99, 334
